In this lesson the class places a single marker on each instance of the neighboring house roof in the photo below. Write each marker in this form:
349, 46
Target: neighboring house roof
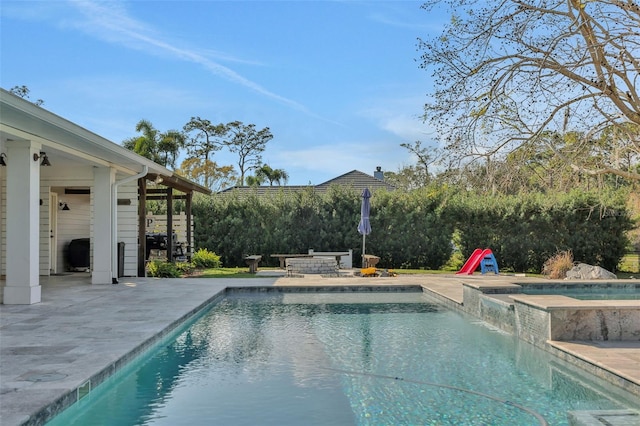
358, 181
263, 190
355, 179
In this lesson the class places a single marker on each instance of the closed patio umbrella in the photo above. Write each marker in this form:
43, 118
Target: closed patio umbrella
364, 227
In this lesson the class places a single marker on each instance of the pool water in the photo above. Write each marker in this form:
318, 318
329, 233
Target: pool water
340, 359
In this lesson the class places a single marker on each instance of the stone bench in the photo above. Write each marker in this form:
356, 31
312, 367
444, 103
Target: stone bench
253, 261
343, 258
283, 257
311, 265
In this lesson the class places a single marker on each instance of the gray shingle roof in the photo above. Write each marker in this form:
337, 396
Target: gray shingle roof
355, 178
358, 181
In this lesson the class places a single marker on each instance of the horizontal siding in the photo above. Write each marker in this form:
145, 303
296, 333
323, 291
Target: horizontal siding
44, 267
128, 227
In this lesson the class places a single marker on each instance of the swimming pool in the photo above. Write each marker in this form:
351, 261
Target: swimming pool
339, 359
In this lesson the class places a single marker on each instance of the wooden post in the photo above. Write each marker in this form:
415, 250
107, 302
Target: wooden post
169, 224
188, 220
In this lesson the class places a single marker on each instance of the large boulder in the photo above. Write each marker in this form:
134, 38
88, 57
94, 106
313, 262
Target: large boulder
582, 271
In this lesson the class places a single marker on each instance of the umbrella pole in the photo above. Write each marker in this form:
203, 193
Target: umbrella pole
363, 251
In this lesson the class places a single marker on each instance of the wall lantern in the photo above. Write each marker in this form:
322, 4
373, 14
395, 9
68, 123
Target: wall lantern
45, 159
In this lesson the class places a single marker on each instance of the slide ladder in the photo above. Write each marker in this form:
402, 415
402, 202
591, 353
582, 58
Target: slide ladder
483, 258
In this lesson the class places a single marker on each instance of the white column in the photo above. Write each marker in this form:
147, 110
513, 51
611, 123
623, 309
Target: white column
23, 223
103, 179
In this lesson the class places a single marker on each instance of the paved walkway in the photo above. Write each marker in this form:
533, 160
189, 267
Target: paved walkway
82, 332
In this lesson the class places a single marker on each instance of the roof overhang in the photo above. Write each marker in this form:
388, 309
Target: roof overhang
177, 182
64, 140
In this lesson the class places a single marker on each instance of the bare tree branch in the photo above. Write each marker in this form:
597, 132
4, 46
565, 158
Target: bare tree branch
507, 72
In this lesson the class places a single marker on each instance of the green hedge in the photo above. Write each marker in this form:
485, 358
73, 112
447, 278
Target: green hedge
524, 231
414, 230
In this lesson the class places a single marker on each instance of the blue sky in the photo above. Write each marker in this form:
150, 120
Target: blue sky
337, 82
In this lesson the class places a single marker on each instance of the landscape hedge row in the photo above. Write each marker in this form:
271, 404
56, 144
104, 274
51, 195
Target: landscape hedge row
525, 231
419, 229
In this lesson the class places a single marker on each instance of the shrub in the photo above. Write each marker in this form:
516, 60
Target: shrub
455, 262
203, 258
185, 268
558, 265
162, 269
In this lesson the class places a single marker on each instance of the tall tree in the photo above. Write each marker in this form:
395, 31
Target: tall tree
169, 146
203, 140
162, 148
507, 72
254, 180
407, 177
146, 143
265, 172
207, 173
249, 144
425, 156
204, 137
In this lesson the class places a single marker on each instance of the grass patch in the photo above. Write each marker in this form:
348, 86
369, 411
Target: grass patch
244, 272
627, 275
223, 273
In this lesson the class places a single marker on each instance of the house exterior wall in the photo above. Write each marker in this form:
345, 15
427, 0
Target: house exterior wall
45, 154
76, 222
128, 227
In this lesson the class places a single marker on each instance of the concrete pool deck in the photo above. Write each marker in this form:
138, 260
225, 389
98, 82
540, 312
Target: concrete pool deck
81, 331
